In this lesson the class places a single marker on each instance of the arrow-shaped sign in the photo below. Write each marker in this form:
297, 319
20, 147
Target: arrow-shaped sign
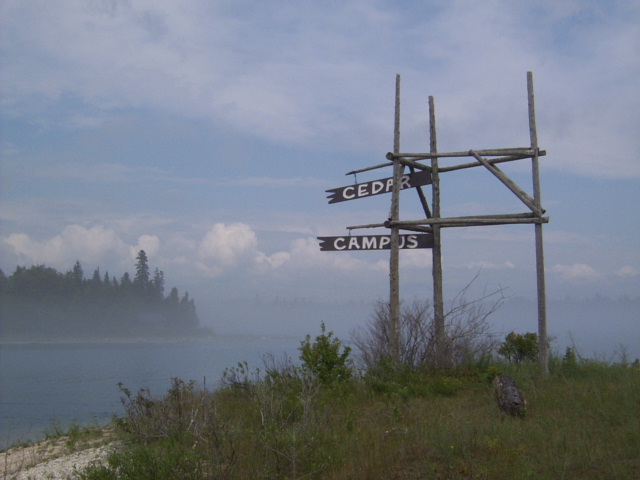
378, 187
374, 242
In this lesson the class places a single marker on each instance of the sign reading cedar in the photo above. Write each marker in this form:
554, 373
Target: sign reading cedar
374, 242
426, 168
377, 187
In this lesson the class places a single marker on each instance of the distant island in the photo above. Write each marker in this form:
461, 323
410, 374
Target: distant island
40, 303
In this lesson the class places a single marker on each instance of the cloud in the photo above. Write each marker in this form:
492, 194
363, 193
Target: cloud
577, 271
627, 271
235, 65
583, 272
149, 243
305, 254
229, 249
482, 264
234, 247
226, 245
93, 245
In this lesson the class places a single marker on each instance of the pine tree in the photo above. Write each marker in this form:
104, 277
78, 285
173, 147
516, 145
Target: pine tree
141, 280
77, 274
157, 284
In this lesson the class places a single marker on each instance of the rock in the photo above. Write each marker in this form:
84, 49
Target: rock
509, 397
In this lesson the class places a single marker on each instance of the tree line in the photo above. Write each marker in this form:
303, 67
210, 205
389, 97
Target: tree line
40, 302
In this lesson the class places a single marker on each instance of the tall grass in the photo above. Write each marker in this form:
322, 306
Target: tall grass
582, 422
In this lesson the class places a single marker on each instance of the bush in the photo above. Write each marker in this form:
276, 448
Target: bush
518, 348
284, 405
324, 359
174, 430
468, 339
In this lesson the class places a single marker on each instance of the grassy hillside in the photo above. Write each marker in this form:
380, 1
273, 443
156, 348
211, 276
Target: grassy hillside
582, 422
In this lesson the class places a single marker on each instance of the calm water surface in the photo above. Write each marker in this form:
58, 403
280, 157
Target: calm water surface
43, 386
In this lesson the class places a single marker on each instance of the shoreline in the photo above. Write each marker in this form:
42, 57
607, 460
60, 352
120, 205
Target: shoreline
57, 457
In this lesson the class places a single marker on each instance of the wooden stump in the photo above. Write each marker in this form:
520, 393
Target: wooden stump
509, 397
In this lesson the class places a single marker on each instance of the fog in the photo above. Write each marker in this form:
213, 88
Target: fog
597, 327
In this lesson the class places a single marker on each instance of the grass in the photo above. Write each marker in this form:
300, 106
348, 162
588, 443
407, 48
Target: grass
78, 437
582, 422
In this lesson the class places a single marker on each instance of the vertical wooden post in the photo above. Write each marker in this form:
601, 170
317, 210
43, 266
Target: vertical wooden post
542, 301
394, 261
438, 302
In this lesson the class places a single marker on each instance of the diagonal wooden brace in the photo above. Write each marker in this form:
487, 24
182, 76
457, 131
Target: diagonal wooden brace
510, 184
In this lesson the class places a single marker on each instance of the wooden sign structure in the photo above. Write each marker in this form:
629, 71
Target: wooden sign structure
374, 242
424, 174
377, 187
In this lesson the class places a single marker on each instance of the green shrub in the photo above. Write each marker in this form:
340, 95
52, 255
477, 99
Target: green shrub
171, 432
163, 459
324, 358
518, 348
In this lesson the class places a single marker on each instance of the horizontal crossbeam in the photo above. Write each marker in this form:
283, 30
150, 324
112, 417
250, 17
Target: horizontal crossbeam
478, 220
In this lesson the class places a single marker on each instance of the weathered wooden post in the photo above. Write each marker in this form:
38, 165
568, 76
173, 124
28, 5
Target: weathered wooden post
438, 300
394, 260
542, 300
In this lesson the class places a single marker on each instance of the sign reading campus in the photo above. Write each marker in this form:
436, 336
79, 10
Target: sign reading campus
377, 187
374, 242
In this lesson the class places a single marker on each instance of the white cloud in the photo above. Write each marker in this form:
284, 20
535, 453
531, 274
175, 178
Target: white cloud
92, 245
483, 264
420, 259
627, 271
226, 245
266, 262
576, 271
231, 249
149, 243
235, 64
581, 272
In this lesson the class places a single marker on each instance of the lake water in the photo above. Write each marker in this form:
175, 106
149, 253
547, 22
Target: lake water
46, 386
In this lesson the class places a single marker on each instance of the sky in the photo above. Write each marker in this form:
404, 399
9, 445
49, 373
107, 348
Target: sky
206, 133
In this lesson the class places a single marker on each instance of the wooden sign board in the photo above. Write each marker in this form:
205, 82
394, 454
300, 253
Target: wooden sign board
377, 187
374, 242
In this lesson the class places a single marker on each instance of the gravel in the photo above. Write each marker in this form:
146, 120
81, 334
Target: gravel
64, 467
52, 459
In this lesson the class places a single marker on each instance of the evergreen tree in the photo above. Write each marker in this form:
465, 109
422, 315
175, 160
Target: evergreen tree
77, 274
95, 289
126, 285
173, 299
95, 279
4, 282
157, 284
187, 314
141, 280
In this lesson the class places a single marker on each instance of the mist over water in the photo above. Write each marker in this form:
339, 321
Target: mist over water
54, 385
595, 327
598, 327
